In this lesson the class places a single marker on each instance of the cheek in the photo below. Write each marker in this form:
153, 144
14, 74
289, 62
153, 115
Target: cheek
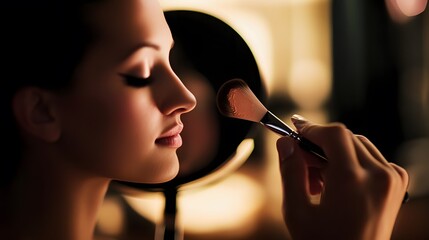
138, 124
124, 120
130, 128
114, 136
133, 115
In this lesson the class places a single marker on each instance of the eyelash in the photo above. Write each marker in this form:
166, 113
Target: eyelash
134, 81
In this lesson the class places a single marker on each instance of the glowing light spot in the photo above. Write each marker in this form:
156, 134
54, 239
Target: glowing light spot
111, 217
310, 83
229, 205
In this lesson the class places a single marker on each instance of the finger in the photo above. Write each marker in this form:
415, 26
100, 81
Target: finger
313, 161
405, 178
294, 176
315, 180
403, 174
379, 157
367, 157
372, 149
333, 138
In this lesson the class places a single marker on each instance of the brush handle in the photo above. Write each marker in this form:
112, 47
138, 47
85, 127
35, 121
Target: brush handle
311, 147
276, 125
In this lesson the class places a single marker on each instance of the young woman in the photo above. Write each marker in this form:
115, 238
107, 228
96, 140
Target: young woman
116, 116
89, 96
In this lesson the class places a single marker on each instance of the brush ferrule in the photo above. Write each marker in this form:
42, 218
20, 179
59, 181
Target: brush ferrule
272, 122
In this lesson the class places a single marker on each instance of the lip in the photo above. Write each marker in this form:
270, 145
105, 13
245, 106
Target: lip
171, 138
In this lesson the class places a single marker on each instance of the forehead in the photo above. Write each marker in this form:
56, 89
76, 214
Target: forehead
127, 23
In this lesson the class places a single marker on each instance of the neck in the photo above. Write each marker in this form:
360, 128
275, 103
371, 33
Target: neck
54, 202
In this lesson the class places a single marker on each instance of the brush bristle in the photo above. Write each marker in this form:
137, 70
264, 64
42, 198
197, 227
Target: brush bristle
236, 100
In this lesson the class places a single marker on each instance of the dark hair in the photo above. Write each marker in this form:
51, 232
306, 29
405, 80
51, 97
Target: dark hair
42, 43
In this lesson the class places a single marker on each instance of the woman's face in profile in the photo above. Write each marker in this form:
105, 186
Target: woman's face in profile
122, 118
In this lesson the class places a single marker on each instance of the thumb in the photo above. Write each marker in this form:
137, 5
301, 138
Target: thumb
294, 176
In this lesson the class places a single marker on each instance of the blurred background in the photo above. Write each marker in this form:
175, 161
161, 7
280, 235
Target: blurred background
361, 62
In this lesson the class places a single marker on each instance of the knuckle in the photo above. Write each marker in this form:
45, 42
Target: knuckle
383, 176
387, 178
336, 129
403, 174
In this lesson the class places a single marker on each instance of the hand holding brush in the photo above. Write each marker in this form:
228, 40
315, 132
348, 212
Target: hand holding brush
236, 100
360, 191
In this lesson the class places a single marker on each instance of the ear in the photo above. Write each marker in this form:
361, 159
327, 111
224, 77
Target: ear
34, 111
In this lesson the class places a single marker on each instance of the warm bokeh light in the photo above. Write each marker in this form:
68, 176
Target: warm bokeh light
244, 149
309, 73
111, 218
238, 197
150, 205
310, 83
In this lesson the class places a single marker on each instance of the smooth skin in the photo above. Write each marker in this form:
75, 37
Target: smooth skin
361, 192
107, 126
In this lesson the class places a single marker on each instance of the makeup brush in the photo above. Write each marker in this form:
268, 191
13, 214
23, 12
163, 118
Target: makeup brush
236, 100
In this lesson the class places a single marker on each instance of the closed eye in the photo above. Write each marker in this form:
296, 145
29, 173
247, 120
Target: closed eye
134, 81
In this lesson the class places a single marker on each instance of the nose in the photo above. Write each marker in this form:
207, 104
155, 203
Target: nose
178, 99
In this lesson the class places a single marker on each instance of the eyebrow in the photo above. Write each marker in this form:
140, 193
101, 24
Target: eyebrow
144, 45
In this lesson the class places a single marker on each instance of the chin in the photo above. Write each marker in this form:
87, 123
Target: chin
165, 172
160, 169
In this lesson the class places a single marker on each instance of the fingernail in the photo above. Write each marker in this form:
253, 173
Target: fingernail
285, 147
299, 121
